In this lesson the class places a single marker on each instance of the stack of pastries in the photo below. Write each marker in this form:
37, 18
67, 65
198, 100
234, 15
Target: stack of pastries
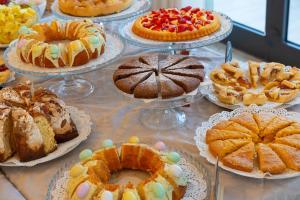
86, 41
89, 179
272, 140
159, 76
32, 123
232, 85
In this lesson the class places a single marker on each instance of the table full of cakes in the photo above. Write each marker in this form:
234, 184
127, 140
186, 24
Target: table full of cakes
109, 92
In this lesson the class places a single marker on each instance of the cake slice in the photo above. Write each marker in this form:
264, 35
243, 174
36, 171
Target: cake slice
291, 140
168, 88
221, 148
151, 60
135, 63
124, 73
97, 170
147, 89
128, 84
185, 62
233, 126
216, 134
276, 124
294, 128
27, 136
189, 84
246, 119
241, 159
289, 155
149, 159
263, 119
110, 156
129, 154
196, 73
172, 60
7, 147
268, 160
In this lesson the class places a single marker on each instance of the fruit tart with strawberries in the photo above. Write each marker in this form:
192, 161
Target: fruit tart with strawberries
173, 24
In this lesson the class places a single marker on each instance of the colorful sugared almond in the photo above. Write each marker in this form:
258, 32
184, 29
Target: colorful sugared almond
173, 24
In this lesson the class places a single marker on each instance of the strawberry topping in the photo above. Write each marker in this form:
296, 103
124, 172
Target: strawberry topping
174, 20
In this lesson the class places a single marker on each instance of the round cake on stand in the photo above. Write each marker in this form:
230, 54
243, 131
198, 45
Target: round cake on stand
48, 51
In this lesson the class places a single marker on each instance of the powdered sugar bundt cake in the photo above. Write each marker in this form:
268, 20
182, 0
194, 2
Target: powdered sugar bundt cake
31, 126
86, 42
88, 180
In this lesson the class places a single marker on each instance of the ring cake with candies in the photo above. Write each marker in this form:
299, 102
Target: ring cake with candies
89, 179
172, 24
85, 41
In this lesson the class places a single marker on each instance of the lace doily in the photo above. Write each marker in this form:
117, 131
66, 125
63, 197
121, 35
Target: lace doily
197, 189
83, 124
216, 118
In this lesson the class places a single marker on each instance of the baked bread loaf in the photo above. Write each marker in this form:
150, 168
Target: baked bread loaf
93, 8
90, 177
153, 76
32, 125
173, 24
87, 41
275, 140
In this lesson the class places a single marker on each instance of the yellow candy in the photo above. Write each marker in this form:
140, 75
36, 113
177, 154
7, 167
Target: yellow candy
128, 195
134, 140
76, 170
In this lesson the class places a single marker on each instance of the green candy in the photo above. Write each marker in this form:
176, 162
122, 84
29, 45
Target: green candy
54, 50
94, 40
174, 157
85, 154
24, 30
107, 143
158, 190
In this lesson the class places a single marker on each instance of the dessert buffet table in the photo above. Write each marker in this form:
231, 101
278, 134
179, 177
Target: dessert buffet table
115, 118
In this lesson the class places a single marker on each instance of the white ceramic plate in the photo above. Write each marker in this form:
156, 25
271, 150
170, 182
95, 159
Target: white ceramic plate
83, 124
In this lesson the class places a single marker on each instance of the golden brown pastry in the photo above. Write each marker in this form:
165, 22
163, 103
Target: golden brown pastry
281, 92
275, 125
246, 119
254, 72
216, 134
291, 140
254, 98
263, 119
221, 148
268, 160
270, 71
294, 128
229, 94
241, 159
289, 155
233, 126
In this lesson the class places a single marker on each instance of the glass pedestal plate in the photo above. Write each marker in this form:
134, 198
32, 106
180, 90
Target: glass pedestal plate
71, 87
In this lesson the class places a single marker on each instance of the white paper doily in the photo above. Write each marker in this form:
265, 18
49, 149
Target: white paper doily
218, 117
83, 124
223, 32
137, 7
198, 187
113, 50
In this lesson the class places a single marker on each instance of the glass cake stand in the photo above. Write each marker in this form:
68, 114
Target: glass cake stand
71, 87
226, 27
198, 188
138, 7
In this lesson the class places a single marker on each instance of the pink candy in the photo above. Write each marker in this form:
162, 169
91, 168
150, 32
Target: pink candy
83, 190
160, 146
21, 43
